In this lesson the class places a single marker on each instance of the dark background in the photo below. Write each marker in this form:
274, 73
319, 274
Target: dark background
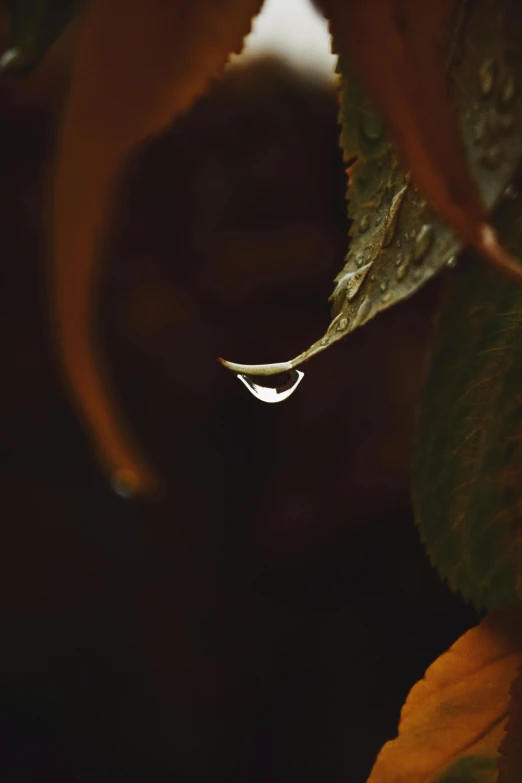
265, 617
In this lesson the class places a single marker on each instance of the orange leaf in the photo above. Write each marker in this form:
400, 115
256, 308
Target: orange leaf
398, 48
137, 65
460, 707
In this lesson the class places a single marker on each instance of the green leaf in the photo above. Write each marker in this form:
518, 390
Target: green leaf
397, 241
467, 464
34, 27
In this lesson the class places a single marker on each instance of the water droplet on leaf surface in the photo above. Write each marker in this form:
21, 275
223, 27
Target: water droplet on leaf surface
487, 77
364, 224
510, 192
423, 242
271, 393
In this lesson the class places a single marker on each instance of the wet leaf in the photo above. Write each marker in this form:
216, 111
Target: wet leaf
137, 65
510, 762
453, 719
467, 459
34, 26
398, 241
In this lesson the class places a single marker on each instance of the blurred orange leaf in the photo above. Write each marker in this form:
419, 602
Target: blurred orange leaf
137, 65
459, 709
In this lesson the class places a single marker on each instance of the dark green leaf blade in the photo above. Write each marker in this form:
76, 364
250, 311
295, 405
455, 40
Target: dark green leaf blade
467, 463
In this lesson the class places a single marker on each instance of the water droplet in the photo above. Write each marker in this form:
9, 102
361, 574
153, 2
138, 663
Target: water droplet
124, 483
398, 259
343, 323
401, 271
507, 87
510, 192
487, 77
423, 242
9, 58
269, 393
371, 125
350, 282
452, 263
393, 214
480, 130
492, 157
363, 312
384, 285
364, 225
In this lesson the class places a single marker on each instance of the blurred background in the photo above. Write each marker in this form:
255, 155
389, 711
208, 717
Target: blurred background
263, 619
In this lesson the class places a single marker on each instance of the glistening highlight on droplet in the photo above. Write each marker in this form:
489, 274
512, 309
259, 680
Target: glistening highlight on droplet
271, 393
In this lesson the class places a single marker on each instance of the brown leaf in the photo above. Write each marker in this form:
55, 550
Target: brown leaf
137, 65
459, 709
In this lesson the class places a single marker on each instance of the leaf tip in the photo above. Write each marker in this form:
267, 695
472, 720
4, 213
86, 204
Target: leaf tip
489, 246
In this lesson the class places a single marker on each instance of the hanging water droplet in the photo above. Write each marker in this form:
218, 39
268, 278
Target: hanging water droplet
401, 271
423, 242
364, 225
510, 192
269, 393
343, 323
452, 263
124, 484
487, 76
